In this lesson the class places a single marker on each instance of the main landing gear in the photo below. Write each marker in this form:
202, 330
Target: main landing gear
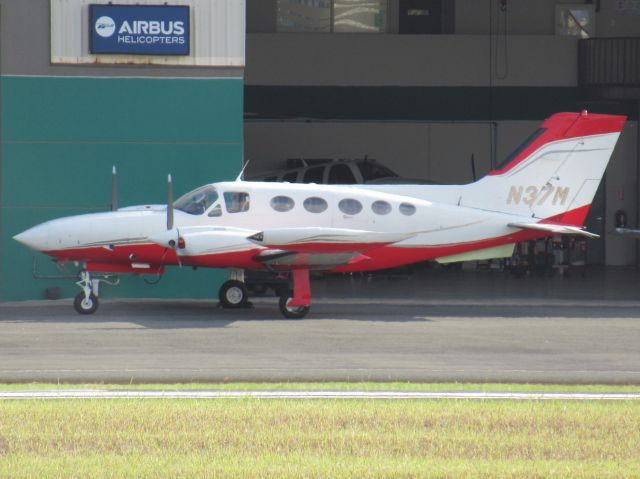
293, 305
297, 306
233, 294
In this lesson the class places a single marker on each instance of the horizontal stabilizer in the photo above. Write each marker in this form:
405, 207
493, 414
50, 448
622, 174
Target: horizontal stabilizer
556, 229
325, 239
631, 232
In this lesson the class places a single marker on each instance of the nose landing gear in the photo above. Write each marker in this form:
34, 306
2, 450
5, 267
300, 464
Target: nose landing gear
86, 301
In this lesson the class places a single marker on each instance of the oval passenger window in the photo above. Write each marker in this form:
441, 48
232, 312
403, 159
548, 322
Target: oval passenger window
282, 203
381, 207
349, 206
315, 204
407, 209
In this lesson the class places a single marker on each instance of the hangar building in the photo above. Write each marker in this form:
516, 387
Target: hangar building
419, 85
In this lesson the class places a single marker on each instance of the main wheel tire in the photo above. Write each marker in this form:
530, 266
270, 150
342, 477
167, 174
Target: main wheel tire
85, 305
289, 312
233, 294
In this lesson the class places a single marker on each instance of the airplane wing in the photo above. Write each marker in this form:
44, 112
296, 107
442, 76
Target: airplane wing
319, 248
554, 228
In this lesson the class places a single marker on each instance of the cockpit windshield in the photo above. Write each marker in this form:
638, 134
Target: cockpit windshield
196, 202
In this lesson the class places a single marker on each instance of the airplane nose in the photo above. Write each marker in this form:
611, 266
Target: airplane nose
36, 238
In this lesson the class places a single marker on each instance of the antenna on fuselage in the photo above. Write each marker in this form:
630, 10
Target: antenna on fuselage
114, 189
239, 178
169, 203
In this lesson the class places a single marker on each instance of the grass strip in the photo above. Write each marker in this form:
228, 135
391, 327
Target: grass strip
311, 438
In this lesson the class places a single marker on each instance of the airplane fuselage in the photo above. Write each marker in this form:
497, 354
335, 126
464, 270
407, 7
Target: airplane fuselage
121, 241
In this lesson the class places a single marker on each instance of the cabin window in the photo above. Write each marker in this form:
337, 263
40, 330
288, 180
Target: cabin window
236, 201
407, 209
198, 201
270, 179
381, 207
282, 203
350, 206
215, 211
315, 204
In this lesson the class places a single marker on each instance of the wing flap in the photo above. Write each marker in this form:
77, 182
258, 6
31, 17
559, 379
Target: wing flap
285, 260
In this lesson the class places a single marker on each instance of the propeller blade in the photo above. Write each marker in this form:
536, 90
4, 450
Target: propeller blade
169, 203
114, 189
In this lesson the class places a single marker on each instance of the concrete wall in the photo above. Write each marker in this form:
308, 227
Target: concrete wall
622, 193
409, 60
414, 150
473, 17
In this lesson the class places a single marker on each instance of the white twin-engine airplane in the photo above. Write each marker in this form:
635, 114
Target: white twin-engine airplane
544, 188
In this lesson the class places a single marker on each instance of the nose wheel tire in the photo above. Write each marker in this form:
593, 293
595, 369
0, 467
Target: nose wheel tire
84, 305
233, 294
292, 312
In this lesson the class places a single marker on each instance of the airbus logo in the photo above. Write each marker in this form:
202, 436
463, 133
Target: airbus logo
105, 26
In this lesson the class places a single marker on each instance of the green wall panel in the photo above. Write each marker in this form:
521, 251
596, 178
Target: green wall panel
122, 109
60, 138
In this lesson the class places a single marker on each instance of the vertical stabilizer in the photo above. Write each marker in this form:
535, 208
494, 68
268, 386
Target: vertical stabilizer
555, 173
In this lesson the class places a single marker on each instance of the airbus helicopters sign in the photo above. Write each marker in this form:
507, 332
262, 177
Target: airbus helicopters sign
139, 29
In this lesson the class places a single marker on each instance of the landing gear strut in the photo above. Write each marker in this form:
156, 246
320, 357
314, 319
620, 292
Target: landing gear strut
297, 306
86, 302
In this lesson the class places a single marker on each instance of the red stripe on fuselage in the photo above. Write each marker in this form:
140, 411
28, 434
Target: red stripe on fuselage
119, 259
139, 253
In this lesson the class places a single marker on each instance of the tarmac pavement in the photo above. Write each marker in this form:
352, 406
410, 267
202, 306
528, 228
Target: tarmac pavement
431, 326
